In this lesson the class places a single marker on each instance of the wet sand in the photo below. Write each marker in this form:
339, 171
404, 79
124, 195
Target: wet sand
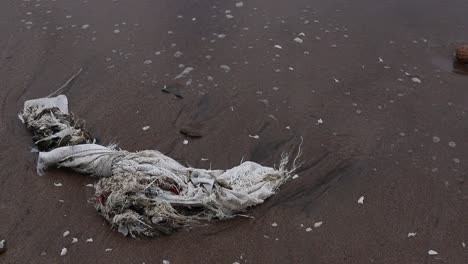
377, 73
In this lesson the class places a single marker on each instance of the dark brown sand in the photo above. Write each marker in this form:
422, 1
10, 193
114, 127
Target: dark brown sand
377, 140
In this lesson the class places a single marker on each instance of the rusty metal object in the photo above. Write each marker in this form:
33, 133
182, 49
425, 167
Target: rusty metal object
462, 53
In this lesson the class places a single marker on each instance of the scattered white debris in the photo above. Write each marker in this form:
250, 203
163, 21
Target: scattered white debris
146, 62
278, 47
116, 31
90, 185
432, 252
295, 176
225, 68
318, 224
178, 54
298, 40
255, 136
452, 144
229, 16
85, 26
308, 229
185, 142
302, 34
63, 252
166, 262
66, 233
361, 200
274, 224
336, 80
221, 36
463, 244
108, 249
61, 201
57, 184
320, 121
411, 234
204, 159
184, 73
380, 60
239, 4
74, 240
145, 128
416, 79
435, 139
89, 240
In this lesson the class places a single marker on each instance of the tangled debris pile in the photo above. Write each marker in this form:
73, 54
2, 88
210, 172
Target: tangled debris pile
147, 193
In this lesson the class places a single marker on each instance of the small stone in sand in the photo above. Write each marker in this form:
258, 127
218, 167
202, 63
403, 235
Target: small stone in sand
66, 233
225, 68
239, 4
298, 40
318, 224
361, 200
274, 224
63, 252
2, 246
416, 79
74, 240
185, 142
435, 139
89, 240
308, 229
452, 144
411, 234
57, 184
432, 252
145, 128
147, 62
116, 31
85, 26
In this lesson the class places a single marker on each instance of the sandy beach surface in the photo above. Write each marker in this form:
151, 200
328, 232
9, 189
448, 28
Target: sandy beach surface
368, 85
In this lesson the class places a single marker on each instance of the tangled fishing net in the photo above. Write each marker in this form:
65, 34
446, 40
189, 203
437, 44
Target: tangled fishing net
146, 193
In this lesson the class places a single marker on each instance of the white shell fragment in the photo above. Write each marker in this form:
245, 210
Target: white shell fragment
63, 252
185, 142
146, 62
308, 229
239, 4
145, 128
298, 40
57, 184
89, 240
66, 233
411, 234
432, 253
108, 250
74, 240
225, 68
85, 26
318, 224
278, 47
274, 224
416, 79
295, 176
361, 200
320, 121
255, 136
